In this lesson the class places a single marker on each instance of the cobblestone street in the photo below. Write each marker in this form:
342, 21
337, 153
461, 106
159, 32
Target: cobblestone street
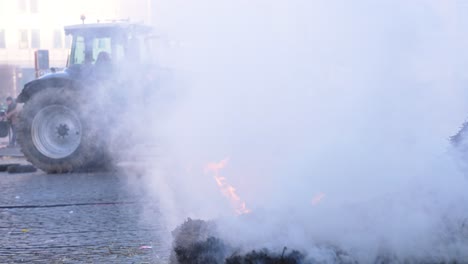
78, 218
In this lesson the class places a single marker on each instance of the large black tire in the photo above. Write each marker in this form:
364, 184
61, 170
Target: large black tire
56, 132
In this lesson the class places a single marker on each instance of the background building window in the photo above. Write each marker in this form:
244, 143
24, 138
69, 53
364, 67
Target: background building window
22, 5
35, 39
23, 39
58, 39
33, 6
2, 39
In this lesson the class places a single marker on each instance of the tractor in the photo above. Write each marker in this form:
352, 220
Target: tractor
69, 118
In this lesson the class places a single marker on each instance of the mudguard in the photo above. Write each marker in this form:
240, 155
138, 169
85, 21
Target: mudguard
57, 80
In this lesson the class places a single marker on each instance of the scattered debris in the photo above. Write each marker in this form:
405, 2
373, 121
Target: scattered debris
21, 169
146, 247
4, 167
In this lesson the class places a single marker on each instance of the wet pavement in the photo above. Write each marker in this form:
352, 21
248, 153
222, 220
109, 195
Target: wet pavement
78, 218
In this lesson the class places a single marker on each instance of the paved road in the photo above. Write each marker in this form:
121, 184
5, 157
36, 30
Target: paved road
10, 152
78, 218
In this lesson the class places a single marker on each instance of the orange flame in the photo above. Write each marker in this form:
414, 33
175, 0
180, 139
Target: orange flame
318, 198
227, 190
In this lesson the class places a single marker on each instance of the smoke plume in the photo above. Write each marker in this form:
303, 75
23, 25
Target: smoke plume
331, 117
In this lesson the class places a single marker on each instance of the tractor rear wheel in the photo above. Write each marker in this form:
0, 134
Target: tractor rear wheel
54, 132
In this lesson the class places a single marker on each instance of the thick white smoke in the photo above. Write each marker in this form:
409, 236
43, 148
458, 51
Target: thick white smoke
351, 99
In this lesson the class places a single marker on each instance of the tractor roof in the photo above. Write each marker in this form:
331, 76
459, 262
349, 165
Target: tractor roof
118, 26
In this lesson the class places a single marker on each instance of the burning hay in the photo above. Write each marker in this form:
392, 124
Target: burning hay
195, 242
265, 256
227, 190
198, 242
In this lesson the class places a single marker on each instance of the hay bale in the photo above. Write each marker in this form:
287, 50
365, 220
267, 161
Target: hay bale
195, 242
210, 251
198, 242
265, 256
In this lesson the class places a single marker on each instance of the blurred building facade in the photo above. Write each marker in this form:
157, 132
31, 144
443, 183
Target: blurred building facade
30, 25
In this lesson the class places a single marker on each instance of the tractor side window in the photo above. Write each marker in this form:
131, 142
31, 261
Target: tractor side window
119, 53
79, 50
133, 52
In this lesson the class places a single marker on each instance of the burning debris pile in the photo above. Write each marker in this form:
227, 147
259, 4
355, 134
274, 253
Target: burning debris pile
264, 256
201, 242
195, 242
265, 237
198, 242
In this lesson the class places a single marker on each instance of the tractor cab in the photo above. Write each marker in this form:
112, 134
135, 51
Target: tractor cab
102, 46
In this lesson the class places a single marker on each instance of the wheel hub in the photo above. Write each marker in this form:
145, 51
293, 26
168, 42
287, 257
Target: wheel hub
62, 130
56, 131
